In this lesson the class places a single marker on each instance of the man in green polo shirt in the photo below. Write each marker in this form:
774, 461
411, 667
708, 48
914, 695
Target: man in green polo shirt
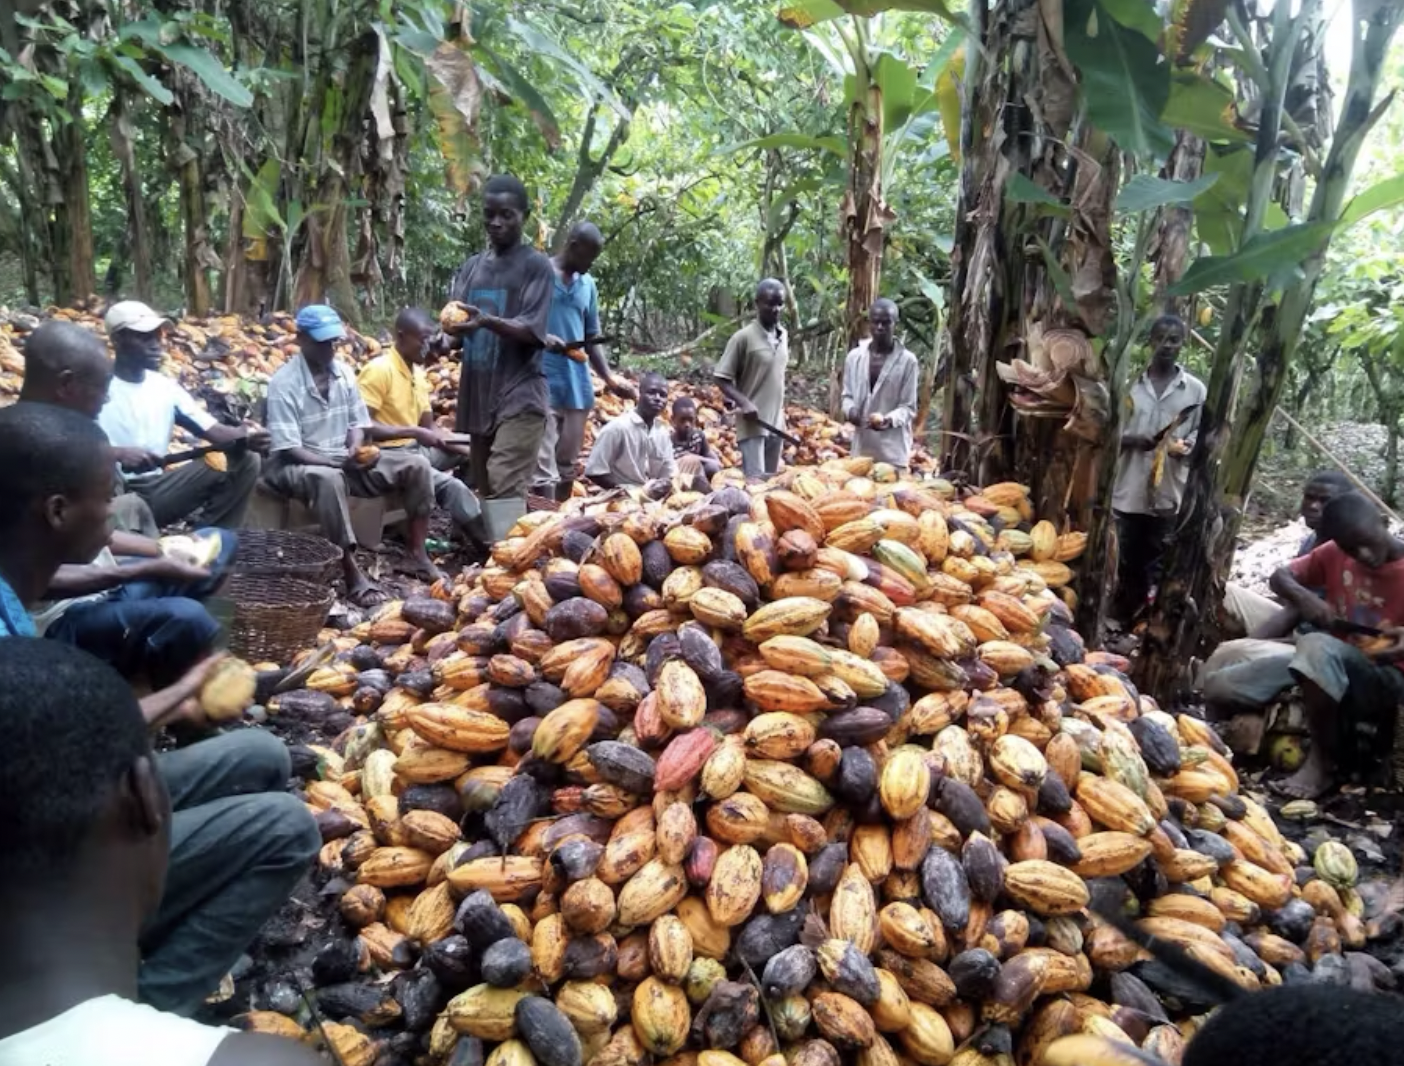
751, 374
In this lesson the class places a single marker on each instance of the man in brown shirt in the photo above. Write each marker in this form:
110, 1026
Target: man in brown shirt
751, 374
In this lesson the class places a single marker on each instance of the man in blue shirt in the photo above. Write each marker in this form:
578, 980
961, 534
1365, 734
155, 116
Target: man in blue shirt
575, 317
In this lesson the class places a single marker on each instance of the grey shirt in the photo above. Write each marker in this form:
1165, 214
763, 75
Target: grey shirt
300, 417
503, 378
1150, 413
631, 451
754, 361
894, 395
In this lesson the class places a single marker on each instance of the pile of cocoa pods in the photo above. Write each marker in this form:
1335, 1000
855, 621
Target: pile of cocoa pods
808, 772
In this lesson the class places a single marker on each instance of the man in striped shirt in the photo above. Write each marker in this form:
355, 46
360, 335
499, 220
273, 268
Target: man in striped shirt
318, 423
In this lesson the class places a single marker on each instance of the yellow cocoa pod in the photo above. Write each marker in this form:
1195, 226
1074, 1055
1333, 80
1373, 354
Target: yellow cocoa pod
458, 729
863, 635
395, 867
793, 616
620, 556
661, 1016
717, 607
228, 689
853, 913
796, 655
775, 690
904, 783
485, 1012
1045, 888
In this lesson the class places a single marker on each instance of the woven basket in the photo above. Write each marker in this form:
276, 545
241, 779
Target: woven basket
541, 503
281, 552
275, 616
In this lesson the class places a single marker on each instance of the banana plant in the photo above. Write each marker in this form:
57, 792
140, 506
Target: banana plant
1277, 269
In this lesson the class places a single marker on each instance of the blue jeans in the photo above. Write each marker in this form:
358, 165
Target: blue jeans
1367, 696
149, 628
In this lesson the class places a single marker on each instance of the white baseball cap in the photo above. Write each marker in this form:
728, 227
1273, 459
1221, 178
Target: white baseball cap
133, 315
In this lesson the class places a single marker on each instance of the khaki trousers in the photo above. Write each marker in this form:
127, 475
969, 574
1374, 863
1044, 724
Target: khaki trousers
327, 489
503, 461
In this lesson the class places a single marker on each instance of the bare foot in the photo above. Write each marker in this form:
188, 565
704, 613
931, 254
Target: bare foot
1314, 779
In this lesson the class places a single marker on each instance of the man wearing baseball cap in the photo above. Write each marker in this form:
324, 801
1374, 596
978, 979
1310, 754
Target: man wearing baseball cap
321, 454
143, 408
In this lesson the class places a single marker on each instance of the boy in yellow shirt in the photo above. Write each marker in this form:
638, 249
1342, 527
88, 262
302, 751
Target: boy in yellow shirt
396, 390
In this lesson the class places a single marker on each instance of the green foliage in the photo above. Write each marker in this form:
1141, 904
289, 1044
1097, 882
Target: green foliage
1144, 192
1125, 85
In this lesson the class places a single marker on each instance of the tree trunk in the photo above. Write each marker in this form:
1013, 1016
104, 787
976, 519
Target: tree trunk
1310, 380
1171, 251
27, 216
588, 169
138, 245
73, 219
1359, 114
325, 270
1388, 491
185, 161
865, 214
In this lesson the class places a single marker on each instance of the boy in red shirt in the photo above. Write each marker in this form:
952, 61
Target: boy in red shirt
1350, 685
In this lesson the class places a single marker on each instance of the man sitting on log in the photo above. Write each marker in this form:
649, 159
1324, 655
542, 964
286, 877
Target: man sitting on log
1259, 615
144, 406
1243, 677
237, 842
319, 424
635, 449
396, 391
130, 604
67, 365
1350, 666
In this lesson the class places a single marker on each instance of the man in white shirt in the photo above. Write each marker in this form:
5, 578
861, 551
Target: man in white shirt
143, 408
635, 448
1160, 431
144, 616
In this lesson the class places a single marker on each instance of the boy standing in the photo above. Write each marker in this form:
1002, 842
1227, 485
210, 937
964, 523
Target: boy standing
751, 374
1166, 398
502, 399
575, 318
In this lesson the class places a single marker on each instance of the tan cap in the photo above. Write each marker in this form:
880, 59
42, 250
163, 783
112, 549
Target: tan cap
133, 315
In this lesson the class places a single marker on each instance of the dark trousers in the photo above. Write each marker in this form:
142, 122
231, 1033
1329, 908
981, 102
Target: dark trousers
1140, 544
223, 494
239, 846
152, 629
